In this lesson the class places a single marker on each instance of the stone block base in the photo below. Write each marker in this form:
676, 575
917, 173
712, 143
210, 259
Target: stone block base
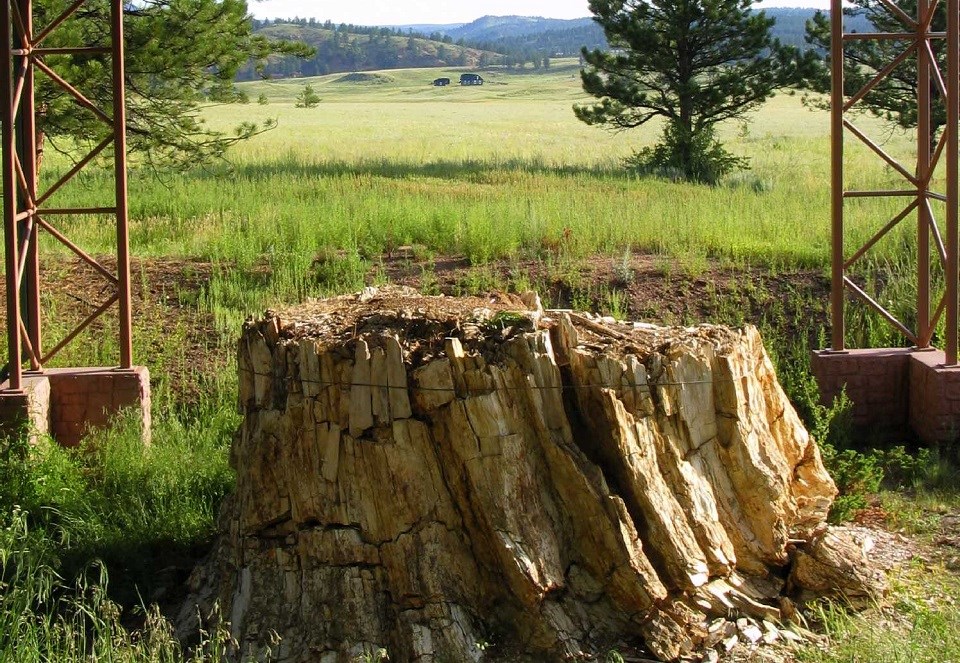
875, 380
893, 389
934, 397
27, 409
76, 400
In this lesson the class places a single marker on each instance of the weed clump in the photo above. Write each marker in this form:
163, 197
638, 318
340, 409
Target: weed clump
67, 516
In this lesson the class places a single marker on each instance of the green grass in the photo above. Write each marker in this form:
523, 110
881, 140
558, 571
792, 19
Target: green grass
501, 172
71, 518
487, 172
922, 624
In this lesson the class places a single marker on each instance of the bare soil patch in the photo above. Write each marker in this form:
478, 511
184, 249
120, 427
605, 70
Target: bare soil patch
656, 289
166, 294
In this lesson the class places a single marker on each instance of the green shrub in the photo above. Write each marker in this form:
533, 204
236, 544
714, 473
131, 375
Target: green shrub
69, 515
858, 472
680, 156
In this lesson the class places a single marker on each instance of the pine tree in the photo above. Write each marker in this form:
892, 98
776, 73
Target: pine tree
695, 63
308, 97
179, 54
895, 97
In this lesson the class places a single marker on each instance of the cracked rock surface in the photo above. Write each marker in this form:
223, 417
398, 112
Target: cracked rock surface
478, 479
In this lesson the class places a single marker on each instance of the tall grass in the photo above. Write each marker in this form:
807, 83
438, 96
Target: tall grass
66, 516
504, 172
46, 618
919, 628
496, 173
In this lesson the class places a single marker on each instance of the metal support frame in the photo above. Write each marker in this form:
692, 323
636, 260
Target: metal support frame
918, 42
26, 214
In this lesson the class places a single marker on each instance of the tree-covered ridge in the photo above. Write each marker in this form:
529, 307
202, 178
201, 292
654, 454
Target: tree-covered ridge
506, 40
341, 48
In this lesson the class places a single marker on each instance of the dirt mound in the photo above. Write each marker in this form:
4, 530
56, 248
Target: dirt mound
365, 79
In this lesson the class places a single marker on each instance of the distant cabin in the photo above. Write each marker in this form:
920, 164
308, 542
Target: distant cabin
440, 82
471, 79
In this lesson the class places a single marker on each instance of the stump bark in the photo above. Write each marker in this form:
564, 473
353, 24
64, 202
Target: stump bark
465, 480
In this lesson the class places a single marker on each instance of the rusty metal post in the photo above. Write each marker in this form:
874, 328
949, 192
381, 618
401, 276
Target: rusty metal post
120, 175
11, 264
953, 120
836, 175
27, 151
924, 332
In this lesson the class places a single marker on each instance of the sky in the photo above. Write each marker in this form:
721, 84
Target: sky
406, 12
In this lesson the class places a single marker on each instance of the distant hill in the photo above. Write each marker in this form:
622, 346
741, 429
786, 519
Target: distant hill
514, 41
790, 27
347, 48
490, 28
508, 34
426, 28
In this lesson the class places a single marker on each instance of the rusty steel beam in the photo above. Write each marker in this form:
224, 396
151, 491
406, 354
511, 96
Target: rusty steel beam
21, 56
120, 179
11, 250
924, 136
927, 19
80, 253
83, 325
889, 317
953, 120
27, 151
836, 177
904, 17
65, 50
74, 92
880, 152
880, 75
80, 165
880, 234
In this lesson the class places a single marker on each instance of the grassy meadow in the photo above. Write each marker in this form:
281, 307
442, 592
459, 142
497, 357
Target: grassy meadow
502, 173
498, 172
489, 172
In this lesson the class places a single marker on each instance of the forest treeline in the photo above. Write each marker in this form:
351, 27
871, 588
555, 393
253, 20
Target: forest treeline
507, 41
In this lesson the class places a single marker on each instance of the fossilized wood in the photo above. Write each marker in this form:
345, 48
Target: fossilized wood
834, 565
425, 475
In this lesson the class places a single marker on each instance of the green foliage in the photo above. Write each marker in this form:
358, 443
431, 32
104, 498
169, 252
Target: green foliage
921, 626
262, 99
695, 64
680, 156
179, 54
895, 97
308, 97
857, 475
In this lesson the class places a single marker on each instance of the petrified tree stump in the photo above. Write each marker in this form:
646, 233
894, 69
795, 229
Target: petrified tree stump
427, 475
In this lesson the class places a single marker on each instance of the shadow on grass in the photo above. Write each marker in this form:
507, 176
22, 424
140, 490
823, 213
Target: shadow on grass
448, 169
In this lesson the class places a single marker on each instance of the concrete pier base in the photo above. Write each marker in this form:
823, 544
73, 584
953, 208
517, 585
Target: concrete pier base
69, 402
894, 389
26, 410
934, 397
